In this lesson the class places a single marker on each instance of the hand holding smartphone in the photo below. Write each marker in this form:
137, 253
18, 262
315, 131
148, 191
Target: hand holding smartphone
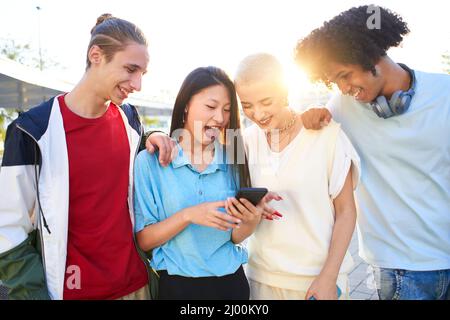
254, 195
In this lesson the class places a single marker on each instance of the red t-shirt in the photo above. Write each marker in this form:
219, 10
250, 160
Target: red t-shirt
100, 246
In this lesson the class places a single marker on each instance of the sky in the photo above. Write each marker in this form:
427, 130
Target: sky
184, 35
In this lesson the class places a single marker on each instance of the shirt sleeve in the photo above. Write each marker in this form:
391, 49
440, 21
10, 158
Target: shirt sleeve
145, 208
345, 155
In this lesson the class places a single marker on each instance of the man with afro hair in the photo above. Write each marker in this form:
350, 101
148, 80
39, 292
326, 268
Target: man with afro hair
398, 119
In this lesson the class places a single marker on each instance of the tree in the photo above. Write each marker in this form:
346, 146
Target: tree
24, 54
149, 122
6, 116
13, 51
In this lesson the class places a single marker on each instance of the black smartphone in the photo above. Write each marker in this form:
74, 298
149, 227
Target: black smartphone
254, 195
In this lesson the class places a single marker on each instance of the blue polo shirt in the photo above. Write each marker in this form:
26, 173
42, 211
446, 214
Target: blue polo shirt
197, 251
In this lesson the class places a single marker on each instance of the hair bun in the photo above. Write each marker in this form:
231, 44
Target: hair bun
101, 19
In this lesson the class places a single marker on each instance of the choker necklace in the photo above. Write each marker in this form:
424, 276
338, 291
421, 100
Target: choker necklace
285, 128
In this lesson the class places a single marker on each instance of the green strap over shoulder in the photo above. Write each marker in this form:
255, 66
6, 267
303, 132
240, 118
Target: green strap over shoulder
22, 272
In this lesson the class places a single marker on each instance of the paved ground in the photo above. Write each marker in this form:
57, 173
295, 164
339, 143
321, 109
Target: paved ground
362, 286
3, 292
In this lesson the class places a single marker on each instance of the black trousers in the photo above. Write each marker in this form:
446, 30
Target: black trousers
230, 287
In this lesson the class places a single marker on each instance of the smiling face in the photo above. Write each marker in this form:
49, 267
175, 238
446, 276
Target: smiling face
123, 74
208, 113
354, 80
263, 103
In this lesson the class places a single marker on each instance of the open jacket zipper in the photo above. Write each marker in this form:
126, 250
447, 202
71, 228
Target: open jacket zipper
38, 204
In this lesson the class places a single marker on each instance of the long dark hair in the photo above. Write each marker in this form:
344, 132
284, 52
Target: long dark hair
202, 78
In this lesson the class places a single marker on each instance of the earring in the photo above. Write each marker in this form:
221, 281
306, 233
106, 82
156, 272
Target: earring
184, 115
375, 71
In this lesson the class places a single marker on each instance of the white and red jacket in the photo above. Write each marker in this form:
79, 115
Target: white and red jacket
35, 149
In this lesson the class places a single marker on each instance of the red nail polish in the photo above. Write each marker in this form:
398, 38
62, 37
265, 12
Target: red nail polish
278, 214
267, 218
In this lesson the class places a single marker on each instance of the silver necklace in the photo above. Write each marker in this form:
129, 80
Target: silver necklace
285, 128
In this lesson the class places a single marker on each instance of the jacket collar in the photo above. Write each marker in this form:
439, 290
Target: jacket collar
35, 121
218, 163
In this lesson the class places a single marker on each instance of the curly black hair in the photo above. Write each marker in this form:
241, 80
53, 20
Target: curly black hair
347, 39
